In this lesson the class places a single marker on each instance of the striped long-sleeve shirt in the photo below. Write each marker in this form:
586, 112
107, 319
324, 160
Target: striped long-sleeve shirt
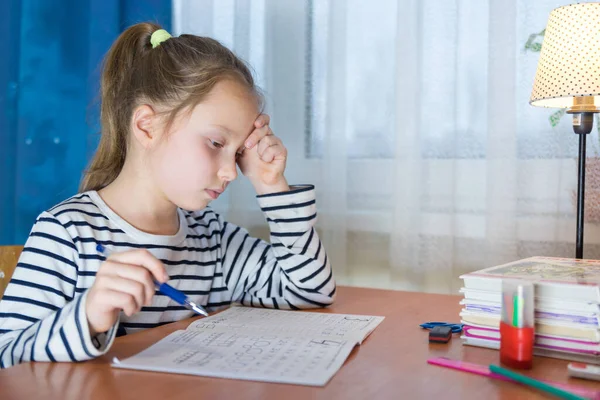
215, 263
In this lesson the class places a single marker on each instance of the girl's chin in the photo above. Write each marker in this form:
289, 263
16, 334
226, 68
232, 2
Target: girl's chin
193, 204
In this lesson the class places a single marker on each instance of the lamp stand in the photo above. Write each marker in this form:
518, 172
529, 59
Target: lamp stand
582, 125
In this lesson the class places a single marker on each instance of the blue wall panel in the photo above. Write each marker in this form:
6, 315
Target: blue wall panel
9, 76
49, 97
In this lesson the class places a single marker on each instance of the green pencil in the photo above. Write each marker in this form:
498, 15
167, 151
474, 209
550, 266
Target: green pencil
516, 307
563, 394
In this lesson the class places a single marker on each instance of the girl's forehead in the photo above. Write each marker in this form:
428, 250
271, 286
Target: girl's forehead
228, 105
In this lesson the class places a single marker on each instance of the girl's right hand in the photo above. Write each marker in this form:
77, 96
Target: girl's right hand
123, 282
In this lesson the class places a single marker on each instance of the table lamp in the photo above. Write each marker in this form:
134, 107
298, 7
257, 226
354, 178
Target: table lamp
568, 76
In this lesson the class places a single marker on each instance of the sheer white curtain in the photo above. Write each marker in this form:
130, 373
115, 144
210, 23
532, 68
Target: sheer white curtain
411, 117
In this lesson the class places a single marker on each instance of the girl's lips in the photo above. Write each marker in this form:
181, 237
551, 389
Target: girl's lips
213, 193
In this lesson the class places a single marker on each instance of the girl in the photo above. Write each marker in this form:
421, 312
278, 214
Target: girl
177, 115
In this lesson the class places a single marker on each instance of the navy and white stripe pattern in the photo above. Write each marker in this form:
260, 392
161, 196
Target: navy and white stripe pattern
42, 312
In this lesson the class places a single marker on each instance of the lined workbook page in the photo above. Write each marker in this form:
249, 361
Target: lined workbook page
312, 324
260, 357
259, 344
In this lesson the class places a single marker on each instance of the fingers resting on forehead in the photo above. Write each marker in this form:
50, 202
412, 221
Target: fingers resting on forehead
262, 129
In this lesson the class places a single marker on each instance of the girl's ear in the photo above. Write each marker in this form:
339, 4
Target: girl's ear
145, 126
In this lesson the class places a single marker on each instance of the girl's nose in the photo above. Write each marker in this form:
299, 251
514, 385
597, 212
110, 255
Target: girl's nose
228, 171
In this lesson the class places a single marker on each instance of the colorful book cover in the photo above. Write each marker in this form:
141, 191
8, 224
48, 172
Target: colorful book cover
549, 269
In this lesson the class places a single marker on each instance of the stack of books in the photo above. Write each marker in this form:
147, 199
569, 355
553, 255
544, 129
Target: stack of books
567, 306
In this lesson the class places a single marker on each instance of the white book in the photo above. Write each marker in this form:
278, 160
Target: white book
542, 341
542, 311
474, 294
565, 355
542, 326
303, 348
540, 302
556, 278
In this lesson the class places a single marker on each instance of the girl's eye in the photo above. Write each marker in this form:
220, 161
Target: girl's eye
216, 144
239, 154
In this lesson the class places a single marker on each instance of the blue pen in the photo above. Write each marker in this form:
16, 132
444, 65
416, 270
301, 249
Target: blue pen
168, 290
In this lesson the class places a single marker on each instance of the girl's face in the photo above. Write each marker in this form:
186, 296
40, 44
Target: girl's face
196, 160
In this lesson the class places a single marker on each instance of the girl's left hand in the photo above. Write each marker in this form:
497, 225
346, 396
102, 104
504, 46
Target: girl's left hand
264, 157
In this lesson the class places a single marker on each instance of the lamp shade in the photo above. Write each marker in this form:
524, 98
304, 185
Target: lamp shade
568, 71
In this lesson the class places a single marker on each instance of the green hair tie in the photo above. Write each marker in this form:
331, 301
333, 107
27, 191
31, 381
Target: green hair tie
158, 37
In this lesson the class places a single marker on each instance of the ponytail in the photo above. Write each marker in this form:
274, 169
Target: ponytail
115, 109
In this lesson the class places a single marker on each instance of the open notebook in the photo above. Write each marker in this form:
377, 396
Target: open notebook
259, 344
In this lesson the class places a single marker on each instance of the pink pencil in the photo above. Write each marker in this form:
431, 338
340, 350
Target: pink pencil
484, 370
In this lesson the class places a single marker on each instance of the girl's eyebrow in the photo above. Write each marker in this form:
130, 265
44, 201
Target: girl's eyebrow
222, 128
227, 130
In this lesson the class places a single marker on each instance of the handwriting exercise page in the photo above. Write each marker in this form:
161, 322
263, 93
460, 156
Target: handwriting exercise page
301, 323
226, 353
259, 344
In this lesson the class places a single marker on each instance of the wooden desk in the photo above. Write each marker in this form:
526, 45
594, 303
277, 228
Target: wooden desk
391, 363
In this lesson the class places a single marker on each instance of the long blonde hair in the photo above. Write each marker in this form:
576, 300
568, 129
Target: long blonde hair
178, 73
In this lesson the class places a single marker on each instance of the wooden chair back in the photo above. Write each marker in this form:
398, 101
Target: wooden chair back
9, 255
